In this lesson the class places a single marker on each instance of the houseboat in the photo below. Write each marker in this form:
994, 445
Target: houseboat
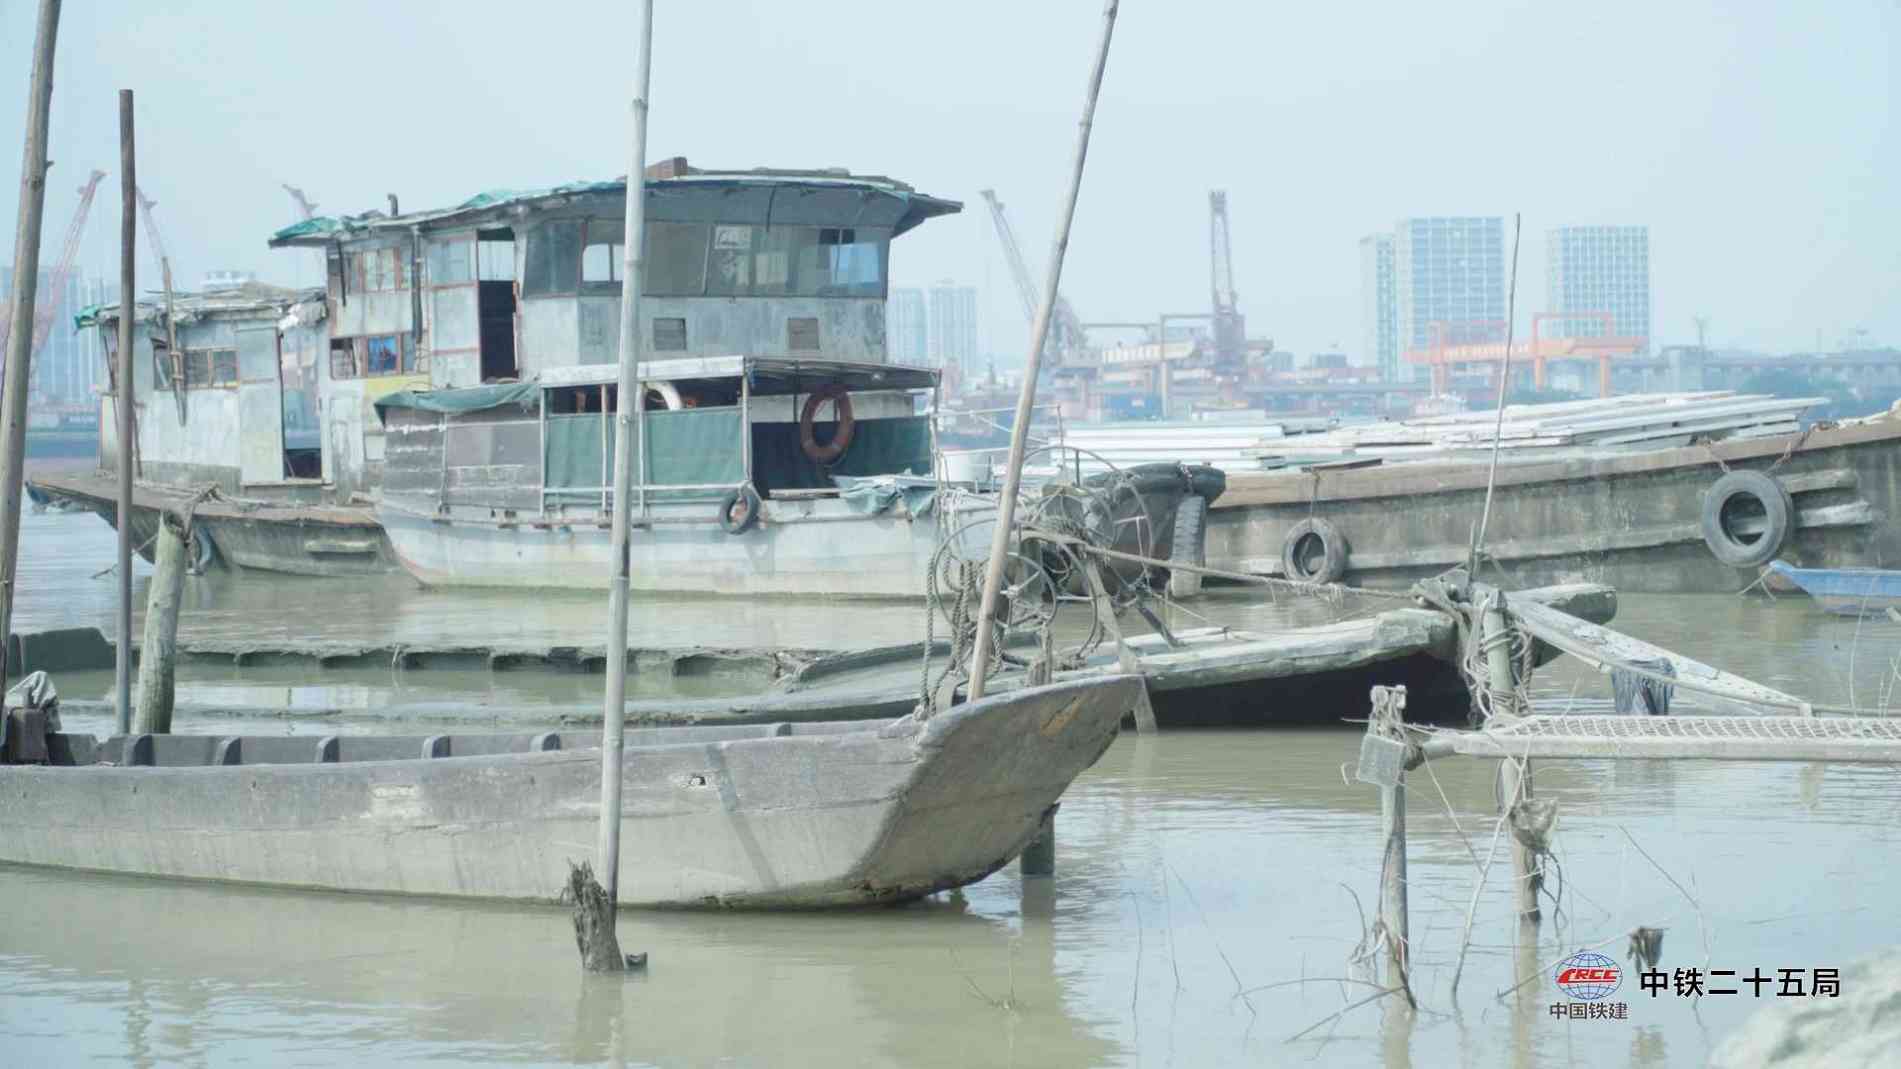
454, 382
232, 397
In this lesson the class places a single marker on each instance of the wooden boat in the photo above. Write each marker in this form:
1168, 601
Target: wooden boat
1845, 591
290, 537
777, 815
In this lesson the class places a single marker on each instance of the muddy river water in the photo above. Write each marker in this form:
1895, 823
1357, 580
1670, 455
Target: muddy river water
1209, 884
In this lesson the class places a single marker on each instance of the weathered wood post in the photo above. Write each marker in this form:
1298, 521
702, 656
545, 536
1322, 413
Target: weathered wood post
1383, 762
1514, 791
1494, 633
158, 654
17, 346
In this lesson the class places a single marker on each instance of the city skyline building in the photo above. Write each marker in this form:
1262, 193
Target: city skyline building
1598, 270
68, 365
953, 326
1449, 281
1379, 307
907, 327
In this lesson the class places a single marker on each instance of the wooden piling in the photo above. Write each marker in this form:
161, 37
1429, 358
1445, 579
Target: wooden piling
17, 346
158, 655
1514, 789
1393, 906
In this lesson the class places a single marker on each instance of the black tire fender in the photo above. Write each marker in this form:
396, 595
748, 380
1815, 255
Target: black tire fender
1297, 562
1188, 545
1778, 513
739, 510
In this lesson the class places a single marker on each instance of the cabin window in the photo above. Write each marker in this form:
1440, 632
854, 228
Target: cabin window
205, 369
796, 261
845, 265
676, 260
601, 256
376, 269
554, 259
669, 334
451, 262
374, 356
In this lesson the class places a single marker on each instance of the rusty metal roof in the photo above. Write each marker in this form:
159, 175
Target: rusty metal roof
913, 207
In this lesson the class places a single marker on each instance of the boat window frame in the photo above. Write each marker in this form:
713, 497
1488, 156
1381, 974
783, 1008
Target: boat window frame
410, 360
211, 357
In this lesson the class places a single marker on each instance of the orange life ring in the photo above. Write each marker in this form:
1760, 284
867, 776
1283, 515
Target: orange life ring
841, 438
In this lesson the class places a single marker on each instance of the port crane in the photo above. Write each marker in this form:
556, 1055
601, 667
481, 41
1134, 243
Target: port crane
1230, 326
1066, 328
56, 283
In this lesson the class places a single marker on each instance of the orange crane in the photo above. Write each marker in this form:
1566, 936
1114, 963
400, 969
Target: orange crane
56, 283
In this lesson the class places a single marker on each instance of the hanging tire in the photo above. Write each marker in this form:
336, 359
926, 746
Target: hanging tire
739, 511
1731, 527
1314, 551
1189, 545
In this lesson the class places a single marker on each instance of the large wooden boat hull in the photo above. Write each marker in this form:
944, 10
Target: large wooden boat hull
1632, 520
778, 815
283, 537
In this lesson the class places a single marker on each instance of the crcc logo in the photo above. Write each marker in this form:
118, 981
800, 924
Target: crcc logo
1588, 976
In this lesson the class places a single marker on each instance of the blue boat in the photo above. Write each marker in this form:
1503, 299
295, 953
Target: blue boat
1845, 591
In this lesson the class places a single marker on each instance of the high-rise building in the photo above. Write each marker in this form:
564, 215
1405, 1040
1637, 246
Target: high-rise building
954, 326
907, 333
1449, 273
1379, 307
1595, 271
67, 364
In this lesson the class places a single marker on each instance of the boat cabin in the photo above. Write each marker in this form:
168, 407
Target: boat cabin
711, 427
227, 394
512, 286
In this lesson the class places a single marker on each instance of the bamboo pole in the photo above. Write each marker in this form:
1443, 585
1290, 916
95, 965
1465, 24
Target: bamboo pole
122, 404
26, 284
608, 959
1026, 400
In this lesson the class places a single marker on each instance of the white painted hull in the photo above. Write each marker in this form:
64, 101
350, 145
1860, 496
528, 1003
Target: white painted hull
819, 547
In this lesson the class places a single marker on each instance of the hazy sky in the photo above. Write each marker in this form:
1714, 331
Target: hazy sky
1754, 139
